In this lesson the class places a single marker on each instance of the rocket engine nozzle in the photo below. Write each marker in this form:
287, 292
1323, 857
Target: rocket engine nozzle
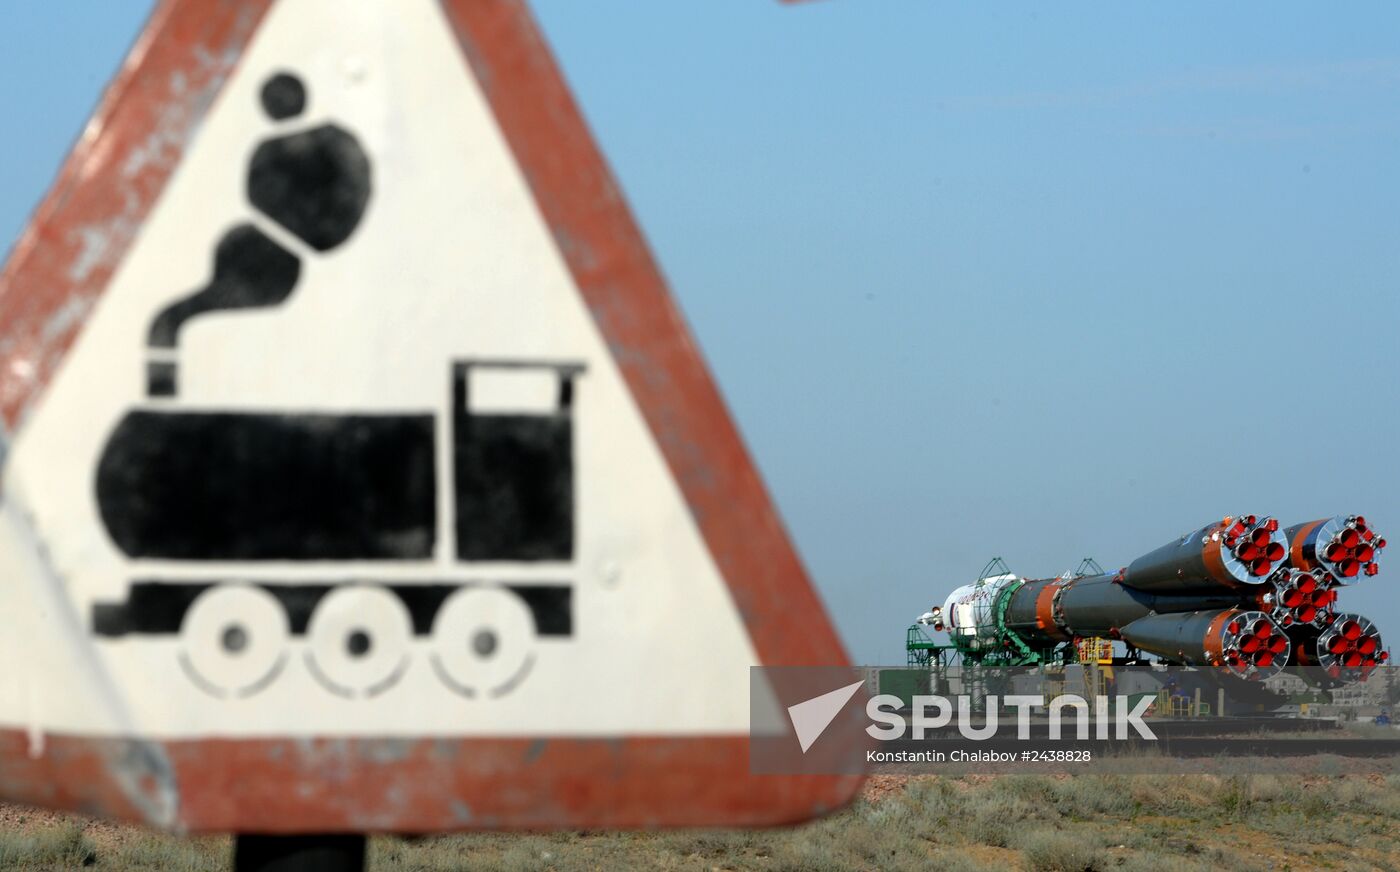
1344, 546
1299, 598
1347, 650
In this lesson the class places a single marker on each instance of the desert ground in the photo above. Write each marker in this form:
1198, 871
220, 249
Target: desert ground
1085, 822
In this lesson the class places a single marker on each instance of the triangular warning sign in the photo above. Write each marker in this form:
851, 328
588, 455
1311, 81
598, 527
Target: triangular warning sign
358, 470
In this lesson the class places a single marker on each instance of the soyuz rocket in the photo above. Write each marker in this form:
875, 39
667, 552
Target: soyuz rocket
1243, 596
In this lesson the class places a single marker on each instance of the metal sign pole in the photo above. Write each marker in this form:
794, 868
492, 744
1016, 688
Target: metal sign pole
338, 853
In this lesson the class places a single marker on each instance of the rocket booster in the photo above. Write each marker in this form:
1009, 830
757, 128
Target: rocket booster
1236, 552
1242, 595
1246, 643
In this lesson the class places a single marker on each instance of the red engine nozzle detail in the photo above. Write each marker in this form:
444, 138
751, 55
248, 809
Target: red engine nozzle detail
1255, 544
1349, 649
1252, 645
1299, 598
1347, 547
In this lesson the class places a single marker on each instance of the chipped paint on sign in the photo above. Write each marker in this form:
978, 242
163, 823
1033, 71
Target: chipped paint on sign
143, 123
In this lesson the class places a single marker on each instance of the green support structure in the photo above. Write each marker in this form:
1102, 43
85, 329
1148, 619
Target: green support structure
919, 649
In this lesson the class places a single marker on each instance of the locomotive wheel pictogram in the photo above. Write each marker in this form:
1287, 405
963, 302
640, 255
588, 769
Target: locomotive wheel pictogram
234, 640
358, 641
483, 641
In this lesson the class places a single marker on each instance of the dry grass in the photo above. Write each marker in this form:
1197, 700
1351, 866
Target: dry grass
1045, 824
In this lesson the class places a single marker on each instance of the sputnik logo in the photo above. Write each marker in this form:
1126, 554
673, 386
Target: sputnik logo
810, 718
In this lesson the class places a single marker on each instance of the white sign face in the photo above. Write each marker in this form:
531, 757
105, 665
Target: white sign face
341, 450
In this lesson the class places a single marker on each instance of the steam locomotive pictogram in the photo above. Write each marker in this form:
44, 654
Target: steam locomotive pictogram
248, 529
242, 489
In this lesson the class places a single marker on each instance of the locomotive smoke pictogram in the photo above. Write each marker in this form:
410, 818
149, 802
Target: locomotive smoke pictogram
315, 184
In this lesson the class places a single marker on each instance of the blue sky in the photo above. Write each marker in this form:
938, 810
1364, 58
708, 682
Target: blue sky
1031, 281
